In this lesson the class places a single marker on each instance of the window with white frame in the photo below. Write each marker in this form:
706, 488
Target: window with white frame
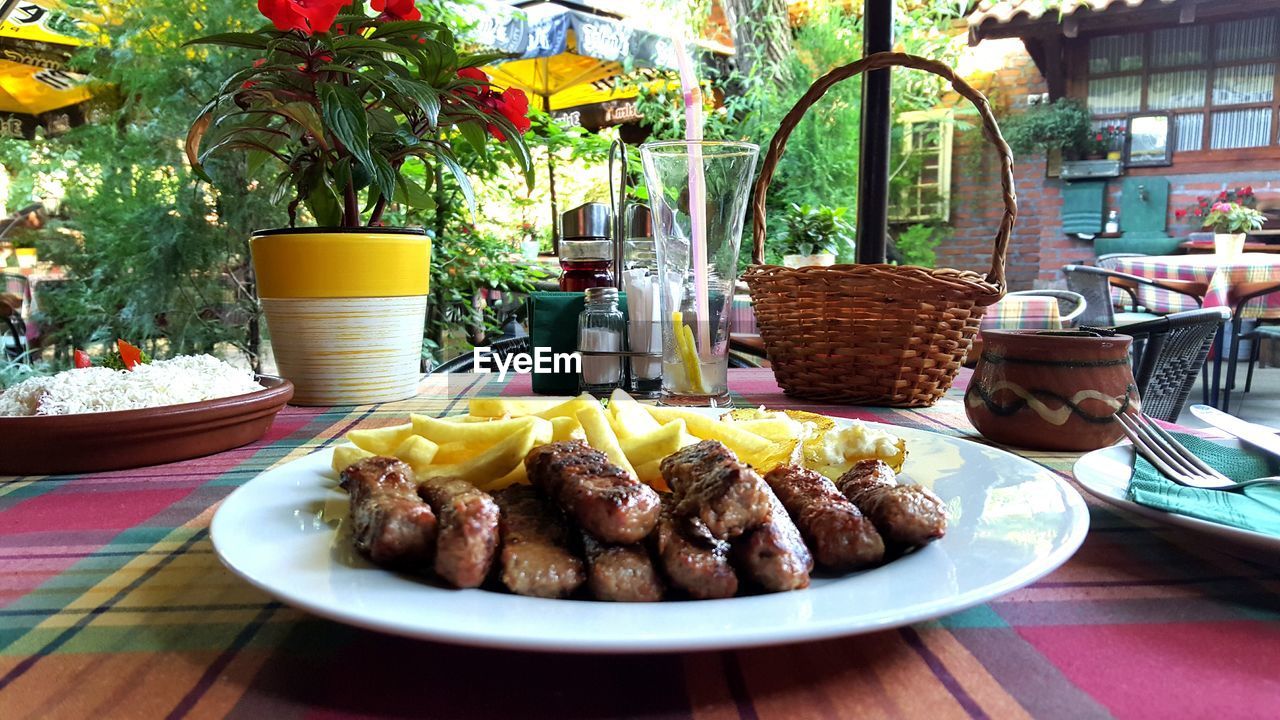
1218, 80
924, 190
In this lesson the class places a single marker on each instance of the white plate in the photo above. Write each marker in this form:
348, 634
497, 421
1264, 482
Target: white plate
1105, 474
1012, 522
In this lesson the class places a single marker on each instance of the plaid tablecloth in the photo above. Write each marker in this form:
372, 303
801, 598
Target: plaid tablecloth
112, 604
1023, 312
1222, 277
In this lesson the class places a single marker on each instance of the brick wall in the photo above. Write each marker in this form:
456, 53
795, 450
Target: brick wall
1038, 248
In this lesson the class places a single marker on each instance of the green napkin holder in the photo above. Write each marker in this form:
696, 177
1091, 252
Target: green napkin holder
553, 324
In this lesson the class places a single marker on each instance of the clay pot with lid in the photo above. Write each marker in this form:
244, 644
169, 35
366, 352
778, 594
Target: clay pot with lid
1051, 390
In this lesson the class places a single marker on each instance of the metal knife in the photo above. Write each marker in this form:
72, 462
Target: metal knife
1259, 436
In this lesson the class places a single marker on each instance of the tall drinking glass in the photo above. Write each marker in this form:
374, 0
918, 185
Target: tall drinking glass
698, 196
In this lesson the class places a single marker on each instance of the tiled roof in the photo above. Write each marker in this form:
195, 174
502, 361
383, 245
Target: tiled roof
1000, 12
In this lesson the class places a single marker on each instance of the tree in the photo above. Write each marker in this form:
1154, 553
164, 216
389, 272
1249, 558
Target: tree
761, 35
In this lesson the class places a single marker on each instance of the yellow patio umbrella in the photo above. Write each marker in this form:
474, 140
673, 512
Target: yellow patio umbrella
37, 38
567, 58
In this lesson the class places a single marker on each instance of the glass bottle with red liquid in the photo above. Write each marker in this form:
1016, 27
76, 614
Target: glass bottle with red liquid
586, 250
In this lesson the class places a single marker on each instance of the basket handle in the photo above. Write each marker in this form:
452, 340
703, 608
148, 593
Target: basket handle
878, 61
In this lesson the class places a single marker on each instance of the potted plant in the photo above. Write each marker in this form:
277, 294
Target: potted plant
345, 101
1230, 223
813, 235
1200, 211
1063, 125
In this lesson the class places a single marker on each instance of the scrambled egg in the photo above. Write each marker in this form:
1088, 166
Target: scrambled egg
817, 442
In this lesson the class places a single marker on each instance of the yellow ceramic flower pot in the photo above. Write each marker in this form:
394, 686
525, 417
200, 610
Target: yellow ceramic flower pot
345, 310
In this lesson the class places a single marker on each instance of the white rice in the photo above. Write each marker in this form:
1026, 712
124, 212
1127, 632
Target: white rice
184, 379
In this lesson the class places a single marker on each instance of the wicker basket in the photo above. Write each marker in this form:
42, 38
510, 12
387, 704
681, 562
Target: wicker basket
873, 334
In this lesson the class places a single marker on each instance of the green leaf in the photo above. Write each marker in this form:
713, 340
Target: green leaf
404, 27
344, 114
445, 156
384, 176
474, 135
426, 97
233, 39
412, 194
324, 204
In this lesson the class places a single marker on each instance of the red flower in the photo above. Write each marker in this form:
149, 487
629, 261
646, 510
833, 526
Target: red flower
1179, 214
305, 16
396, 9
476, 75
1246, 190
1098, 136
1222, 195
515, 107
1199, 212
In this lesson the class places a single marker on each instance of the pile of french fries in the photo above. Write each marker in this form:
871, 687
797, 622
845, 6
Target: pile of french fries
487, 446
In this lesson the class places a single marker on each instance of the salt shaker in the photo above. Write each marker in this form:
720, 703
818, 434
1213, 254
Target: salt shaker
640, 282
601, 328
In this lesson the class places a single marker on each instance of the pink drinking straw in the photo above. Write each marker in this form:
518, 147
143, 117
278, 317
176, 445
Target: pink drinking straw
697, 194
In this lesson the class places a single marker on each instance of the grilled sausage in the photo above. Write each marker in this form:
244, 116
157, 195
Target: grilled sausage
710, 483
605, 501
536, 558
907, 516
693, 559
774, 554
620, 573
389, 522
468, 530
841, 537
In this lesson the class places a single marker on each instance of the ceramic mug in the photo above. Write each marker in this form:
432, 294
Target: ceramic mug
1051, 390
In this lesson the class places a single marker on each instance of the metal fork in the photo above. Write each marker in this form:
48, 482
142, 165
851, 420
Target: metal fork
1173, 458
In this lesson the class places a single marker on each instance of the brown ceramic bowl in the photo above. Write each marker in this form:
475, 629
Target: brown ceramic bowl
1051, 390
93, 442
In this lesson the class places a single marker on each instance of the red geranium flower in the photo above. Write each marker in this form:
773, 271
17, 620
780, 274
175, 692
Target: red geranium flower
396, 9
1222, 195
250, 83
1246, 190
305, 16
1179, 214
476, 75
515, 107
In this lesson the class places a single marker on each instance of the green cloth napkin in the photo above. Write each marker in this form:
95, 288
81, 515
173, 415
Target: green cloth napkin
1257, 508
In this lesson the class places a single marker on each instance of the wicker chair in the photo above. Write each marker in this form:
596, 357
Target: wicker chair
1168, 354
1246, 293
1095, 284
1108, 261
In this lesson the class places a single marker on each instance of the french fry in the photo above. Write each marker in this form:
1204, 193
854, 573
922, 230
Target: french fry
469, 418
417, 451
489, 407
458, 451
601, 436
650, 474
629, 417
744, 443
380, 441
566, 428
781, 429
345, 455
495, 462
484, 434
569, 408
656, 445
518, 475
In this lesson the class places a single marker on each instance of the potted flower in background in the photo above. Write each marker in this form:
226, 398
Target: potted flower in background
1200, 211
814, 235
345, 101
1230, 222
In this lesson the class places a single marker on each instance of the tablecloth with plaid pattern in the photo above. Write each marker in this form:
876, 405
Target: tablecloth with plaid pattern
1222, 276
1023, 312
112, 604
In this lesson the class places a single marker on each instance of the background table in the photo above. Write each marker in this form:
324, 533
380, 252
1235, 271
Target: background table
1221, 276
113, 603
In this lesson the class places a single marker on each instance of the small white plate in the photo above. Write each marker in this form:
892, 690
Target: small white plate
1105, 474
1012, 522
